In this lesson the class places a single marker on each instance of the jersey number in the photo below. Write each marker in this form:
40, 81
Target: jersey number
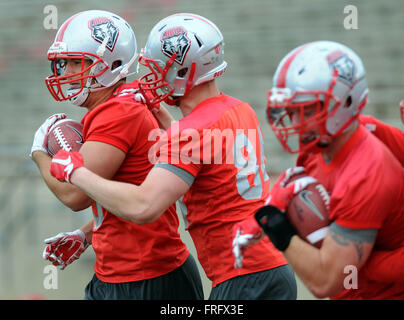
245, 159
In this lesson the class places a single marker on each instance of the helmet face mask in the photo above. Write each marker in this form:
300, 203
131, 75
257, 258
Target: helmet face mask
153, 86
103, 42
301, 126
324, 78
64, 86
182, 51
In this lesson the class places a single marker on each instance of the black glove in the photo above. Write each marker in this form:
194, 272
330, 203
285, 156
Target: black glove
276, 226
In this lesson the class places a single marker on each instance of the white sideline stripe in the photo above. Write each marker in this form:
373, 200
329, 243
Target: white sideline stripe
317, 235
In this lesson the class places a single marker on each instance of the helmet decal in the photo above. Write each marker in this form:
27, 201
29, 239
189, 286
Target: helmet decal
345, 66
175, 41
102, 27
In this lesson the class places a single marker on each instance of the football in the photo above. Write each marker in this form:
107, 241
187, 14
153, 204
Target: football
65, 134
308, 212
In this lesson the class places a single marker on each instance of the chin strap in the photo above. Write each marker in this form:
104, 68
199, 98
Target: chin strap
190, 78
102, 47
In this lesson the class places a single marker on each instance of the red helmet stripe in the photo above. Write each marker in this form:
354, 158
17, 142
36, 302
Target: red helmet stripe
61, 32
199, 18
281, 83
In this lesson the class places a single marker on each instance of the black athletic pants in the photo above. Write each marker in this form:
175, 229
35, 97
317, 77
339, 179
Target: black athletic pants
184, 283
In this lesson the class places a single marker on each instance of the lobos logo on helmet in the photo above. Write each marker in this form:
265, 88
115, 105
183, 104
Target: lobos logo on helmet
175, 41
345, 66
101, 28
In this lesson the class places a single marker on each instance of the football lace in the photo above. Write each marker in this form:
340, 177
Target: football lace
60, 138
324, 195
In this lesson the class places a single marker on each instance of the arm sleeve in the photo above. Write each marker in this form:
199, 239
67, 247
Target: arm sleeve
184, 175
382, 266
183, 151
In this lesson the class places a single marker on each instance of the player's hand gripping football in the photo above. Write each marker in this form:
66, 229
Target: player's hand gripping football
41, 135
65, 248
64, 163
272, 217
245, 233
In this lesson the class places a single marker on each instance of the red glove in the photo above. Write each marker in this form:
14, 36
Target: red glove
245, 233
281, 193
64, 163
272, 217
65, 248
145, 97
142, 96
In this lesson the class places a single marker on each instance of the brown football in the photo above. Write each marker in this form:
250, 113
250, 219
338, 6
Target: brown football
308, 212
65, 134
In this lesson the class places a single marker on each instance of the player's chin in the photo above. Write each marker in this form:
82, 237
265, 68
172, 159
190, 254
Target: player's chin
313, 140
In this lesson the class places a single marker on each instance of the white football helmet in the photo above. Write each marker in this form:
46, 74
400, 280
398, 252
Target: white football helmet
326, 74
182, 51
101, 37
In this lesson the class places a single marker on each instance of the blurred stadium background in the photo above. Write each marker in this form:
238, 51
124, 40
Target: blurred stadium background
258, 33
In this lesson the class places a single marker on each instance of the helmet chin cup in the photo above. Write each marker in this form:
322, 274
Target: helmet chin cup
78, 98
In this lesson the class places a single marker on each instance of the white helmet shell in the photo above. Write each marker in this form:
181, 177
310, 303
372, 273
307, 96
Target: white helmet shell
308, 72
104, 38
198, 45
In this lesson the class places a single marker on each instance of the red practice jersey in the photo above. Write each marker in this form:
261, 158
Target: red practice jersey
391, 136
218, 150
125, 251
366, 185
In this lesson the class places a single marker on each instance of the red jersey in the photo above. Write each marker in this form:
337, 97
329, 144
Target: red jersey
391, 136
125, 251
366, 186
218, 148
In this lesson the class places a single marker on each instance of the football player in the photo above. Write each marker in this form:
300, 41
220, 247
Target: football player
212, 160
319, 90
90, 58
